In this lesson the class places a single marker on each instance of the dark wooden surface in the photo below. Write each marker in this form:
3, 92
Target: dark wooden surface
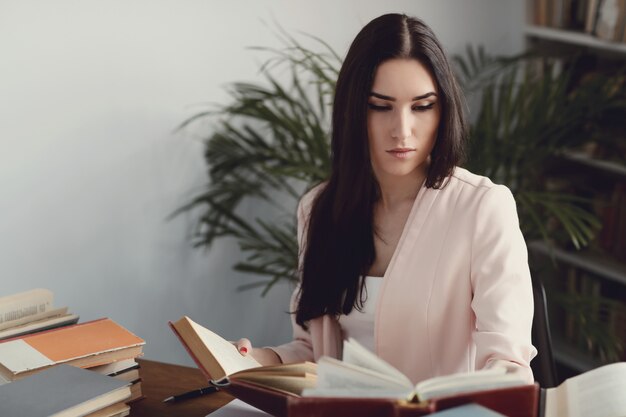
161, 380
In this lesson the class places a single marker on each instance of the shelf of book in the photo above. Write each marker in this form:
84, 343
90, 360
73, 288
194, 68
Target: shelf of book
587, 287
571, 357
594, 262
573, 38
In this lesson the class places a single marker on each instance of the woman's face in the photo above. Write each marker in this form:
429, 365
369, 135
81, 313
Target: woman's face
402, 118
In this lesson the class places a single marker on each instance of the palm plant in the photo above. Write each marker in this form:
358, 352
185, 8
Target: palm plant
267, 146
527, 117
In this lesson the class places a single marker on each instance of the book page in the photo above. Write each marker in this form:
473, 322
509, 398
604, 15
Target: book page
27, 303
356, 354
332, 373
35, 317
290, 384
398, 394
38, 326
598, 393
466, 382
556, 401
505, 381
459, 379
294, 369
222, 351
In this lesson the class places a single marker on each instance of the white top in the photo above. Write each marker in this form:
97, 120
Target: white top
360, 324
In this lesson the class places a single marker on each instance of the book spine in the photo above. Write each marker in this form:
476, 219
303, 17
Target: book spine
541, 12
31, 303
570, 317
621, 17
608, 214
606, 20
619, 246
556, 14
591, 15
578, 15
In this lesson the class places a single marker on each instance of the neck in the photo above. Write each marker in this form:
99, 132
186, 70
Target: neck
397, 191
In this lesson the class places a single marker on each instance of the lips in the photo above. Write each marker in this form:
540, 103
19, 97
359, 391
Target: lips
401, 153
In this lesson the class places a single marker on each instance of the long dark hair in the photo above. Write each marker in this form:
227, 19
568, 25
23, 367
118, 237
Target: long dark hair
340, 234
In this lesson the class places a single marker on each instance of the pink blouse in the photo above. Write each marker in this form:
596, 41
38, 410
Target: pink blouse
457, 293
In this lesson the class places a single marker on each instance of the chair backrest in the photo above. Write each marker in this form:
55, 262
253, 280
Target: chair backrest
542, 365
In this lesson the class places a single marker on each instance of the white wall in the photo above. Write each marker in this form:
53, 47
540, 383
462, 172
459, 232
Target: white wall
90, 94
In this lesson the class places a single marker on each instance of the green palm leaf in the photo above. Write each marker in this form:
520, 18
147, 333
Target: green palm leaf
268, 144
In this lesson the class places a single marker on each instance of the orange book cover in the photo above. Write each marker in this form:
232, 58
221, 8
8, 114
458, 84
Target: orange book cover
87, 344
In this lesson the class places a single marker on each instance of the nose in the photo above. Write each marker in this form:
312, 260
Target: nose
401, 125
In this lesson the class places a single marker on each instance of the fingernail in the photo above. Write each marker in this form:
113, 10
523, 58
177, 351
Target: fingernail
243, 350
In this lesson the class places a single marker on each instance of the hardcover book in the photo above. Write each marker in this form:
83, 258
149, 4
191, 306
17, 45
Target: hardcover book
84, 345
281, 390
63, 391
222, 364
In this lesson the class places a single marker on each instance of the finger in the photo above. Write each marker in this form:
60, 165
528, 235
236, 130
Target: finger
244, 346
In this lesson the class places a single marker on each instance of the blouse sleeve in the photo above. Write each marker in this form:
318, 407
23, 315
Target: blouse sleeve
300, 348
502, 289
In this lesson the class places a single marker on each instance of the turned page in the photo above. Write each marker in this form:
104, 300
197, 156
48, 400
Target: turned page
356, 354
339, 379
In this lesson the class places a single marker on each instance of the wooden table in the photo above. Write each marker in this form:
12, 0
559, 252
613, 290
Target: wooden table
161, 380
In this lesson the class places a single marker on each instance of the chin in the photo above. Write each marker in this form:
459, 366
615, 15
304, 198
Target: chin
400, 171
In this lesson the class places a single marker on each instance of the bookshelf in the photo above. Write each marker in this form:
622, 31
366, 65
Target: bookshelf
595, 272
571, 357
607, 167
594, 262
573, 38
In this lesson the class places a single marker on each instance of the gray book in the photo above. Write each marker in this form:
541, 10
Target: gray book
468, 410
61, 391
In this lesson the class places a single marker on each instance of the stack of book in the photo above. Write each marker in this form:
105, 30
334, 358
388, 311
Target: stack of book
100, 345
37, 336
31, 311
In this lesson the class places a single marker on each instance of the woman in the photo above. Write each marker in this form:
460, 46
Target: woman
420, 260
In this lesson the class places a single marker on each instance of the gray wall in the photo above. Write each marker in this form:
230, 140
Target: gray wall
90, 166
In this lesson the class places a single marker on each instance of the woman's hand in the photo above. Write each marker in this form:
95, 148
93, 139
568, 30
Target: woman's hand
244, 346
513, 368
264, 356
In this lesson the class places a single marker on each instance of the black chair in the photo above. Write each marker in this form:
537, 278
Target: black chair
542, 365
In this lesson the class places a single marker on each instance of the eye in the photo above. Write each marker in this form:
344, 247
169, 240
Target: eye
423, 108
375, 107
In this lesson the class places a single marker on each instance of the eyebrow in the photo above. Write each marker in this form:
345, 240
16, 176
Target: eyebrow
384, 97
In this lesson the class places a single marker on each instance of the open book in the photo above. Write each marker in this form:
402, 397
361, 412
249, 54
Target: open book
224, 366
600, 392
31, 311
362, 374
279, 390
